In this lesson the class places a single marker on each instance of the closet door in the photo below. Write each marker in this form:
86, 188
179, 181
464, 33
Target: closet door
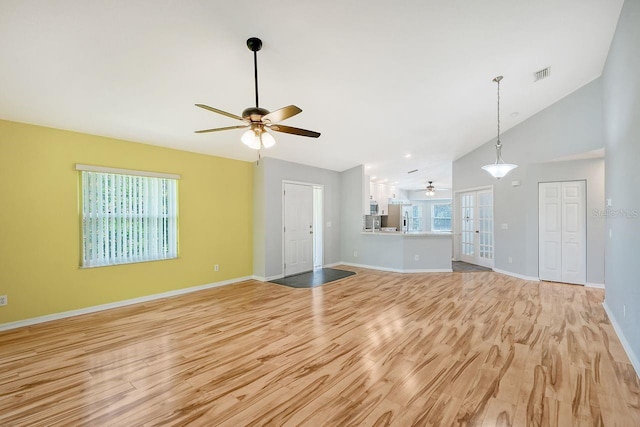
562, 232
574, 247
550, 231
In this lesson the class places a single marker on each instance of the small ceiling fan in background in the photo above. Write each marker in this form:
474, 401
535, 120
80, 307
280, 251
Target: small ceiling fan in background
259, 120
431, 190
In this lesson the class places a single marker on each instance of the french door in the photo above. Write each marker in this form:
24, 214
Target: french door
476, 227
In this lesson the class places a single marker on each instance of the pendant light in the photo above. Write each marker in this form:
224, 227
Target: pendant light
499, 168
431, 190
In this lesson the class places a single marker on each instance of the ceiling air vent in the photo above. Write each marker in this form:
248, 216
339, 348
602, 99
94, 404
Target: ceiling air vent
415, 170
542, 74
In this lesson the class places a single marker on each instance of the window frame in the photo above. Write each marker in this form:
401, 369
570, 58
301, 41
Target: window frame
433, 217
161, 221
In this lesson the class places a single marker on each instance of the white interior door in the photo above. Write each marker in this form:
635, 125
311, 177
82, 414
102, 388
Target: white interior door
550, 231
562, 232
298, 228
476, 227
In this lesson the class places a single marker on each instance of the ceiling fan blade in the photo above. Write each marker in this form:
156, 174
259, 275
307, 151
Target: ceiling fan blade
215, 110
294, 131
219, 129
281, 114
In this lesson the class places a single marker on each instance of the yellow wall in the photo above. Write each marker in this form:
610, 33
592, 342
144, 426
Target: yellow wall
39, 222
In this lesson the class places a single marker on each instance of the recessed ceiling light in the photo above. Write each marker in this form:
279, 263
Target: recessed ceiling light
369, 166
514, 114
374, 177
385, 180
407, 156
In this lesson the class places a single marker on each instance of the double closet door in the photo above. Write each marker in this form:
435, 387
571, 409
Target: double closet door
562, 232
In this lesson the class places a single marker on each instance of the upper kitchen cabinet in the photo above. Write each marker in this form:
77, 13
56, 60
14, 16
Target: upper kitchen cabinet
381, 193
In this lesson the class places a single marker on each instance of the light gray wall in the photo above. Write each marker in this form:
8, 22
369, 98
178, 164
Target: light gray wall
570, 127
273, 172
351, 193
621, 88
593, 172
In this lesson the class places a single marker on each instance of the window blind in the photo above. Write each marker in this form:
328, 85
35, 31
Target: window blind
127, 218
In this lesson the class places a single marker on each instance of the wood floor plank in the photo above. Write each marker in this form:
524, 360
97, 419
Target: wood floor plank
374, 349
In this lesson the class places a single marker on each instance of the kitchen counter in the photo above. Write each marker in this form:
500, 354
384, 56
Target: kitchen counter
404, 252
408, 233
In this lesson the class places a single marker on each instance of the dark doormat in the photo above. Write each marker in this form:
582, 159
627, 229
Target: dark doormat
312, 279
466, 267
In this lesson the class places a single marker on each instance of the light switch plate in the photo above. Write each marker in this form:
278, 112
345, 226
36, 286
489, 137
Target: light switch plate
505, 226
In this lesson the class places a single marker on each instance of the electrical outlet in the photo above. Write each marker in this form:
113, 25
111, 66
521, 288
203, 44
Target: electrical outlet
355, 254
216, 267
510, 260
416, 257
4, 300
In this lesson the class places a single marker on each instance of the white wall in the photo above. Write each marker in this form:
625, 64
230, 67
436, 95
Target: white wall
570, 127
621, 89
269, 175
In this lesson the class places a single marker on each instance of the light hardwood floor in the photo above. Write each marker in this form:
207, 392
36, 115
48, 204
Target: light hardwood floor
373, 349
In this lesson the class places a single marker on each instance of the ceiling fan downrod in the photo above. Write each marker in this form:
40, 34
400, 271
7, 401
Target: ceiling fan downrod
255, 44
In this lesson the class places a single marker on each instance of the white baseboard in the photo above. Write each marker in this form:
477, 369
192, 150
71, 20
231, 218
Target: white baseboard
397, 270
117, 304
635, 362
333, 264
594, 285
519, 276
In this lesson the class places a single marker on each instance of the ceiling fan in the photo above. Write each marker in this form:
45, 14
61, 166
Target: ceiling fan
259, 120
431, 190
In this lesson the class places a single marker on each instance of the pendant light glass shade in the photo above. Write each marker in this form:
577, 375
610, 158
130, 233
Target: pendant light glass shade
499, 168
257, 138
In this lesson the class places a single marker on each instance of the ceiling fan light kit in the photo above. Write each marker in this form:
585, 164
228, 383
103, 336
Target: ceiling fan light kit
431, 190
499, 169
259, 120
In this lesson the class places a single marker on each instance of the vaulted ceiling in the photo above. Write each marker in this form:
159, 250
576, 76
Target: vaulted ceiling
396, 86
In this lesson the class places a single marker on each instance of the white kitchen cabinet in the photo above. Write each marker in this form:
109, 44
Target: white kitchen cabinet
381, 193
366, 201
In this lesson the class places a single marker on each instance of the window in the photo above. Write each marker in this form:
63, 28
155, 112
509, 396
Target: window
416, 218
441, 217
127, 216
